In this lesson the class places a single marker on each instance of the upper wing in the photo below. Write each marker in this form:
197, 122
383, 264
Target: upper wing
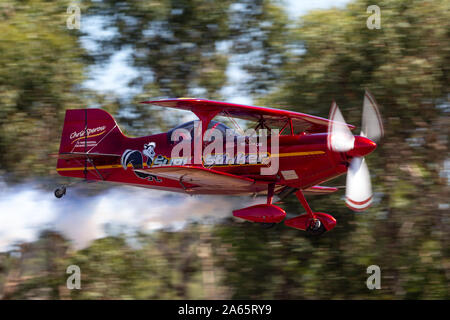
272, 117
207, 179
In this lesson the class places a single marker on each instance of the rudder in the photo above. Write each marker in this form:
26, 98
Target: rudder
90, 131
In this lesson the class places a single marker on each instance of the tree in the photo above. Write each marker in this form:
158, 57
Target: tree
183, 48
406, 66
41, 68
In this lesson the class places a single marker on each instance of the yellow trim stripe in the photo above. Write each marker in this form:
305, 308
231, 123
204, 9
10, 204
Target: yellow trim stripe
294, 154
114, 166
91, 168
110, 166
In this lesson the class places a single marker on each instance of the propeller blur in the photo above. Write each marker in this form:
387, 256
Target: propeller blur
340, 139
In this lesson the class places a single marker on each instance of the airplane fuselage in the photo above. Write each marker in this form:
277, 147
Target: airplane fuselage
304, 161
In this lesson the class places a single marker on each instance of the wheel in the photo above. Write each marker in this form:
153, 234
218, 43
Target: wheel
267, 225
60, 192
316, 228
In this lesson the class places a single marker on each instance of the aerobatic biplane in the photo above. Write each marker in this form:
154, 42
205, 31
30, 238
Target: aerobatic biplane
311, 150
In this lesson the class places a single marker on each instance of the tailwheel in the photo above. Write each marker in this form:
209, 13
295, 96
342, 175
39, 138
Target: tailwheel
60, 192
315, 228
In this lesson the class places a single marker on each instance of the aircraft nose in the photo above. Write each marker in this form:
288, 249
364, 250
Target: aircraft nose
363, 146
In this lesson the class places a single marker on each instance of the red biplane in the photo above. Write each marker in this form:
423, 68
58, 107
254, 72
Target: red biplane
311, 150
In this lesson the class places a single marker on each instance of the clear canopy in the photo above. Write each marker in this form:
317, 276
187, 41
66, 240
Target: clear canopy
224, 129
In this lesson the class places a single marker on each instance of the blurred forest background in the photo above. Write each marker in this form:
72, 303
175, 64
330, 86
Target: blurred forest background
185, 48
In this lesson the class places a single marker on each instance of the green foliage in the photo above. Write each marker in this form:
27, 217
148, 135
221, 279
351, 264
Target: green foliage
184, 48
406, 65
41, 68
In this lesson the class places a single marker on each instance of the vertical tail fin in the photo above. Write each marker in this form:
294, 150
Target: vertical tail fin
92, 131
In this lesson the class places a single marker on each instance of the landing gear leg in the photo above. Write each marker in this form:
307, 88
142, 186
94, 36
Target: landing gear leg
270, 192
305, 204
313, 226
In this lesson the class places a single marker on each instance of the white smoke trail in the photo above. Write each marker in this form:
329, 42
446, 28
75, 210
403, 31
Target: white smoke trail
25, 210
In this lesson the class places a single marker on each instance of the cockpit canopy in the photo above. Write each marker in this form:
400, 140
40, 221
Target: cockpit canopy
189, 126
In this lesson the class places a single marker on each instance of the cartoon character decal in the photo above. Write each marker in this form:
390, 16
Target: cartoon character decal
149, 151
135, 158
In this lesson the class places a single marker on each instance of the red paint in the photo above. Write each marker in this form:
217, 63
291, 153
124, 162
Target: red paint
100, 157
268, 213
359, 202
302, 222
363, 146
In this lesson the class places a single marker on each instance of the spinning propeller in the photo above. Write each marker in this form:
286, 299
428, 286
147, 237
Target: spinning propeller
358, 194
